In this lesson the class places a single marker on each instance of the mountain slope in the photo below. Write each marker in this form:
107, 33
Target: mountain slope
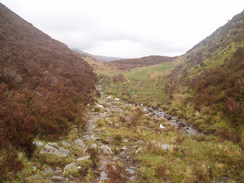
43, 86
98, 66
99, 57
210, 81
140, 62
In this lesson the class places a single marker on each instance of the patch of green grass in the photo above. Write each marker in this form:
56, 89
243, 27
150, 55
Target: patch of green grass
140, 74
139, 88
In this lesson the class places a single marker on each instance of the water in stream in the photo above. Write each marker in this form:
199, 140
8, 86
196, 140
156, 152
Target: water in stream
172, 120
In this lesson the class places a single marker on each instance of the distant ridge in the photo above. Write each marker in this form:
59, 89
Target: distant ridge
99, 57
141, 62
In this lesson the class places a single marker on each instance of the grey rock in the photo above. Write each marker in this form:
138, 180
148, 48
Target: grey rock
226, 179
103, 176
56, 178
140, 142
130, 171
57, 172
54, 149
106, 149
132, 178
99, 106
69, 166
74, 130
125, 140
34, 177
83, 158
166, 147
123, 148
80, 143
115, 158
65, 144
94, 146
138, 150
34, 168
38, 143
48, 171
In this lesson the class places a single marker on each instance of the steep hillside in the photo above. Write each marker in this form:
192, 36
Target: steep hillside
210, 81
99, 57
127, 64
43, 87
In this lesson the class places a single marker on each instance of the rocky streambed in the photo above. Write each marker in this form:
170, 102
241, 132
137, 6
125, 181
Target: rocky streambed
88, 152
175, 121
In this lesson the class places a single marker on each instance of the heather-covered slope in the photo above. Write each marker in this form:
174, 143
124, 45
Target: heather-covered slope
126, 64
210, 81
43, 87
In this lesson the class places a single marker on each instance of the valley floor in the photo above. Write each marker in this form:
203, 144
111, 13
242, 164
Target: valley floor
122, 142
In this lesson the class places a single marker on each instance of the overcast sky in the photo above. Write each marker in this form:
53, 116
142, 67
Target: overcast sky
128, 28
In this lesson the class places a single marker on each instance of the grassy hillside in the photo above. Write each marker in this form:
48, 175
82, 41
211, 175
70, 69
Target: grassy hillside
127, 64
43, 87
208, 87
205, 85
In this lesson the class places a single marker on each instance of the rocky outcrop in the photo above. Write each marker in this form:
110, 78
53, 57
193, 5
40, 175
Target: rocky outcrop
54, 149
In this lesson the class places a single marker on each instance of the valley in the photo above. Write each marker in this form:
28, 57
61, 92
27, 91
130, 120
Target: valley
124, 142
67, 116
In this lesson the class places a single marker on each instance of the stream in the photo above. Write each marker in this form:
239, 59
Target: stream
175, 121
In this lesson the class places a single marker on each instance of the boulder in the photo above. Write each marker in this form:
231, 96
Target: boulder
38, 143
48, 171
99, 106
103, 176
94, 146
54, 149
83, 158
131, 171
65, 144
80, 143
56, 178
166, 147
138, 150
74, 130
57, 172
69, 167
161, 126
106, 149
123, 148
